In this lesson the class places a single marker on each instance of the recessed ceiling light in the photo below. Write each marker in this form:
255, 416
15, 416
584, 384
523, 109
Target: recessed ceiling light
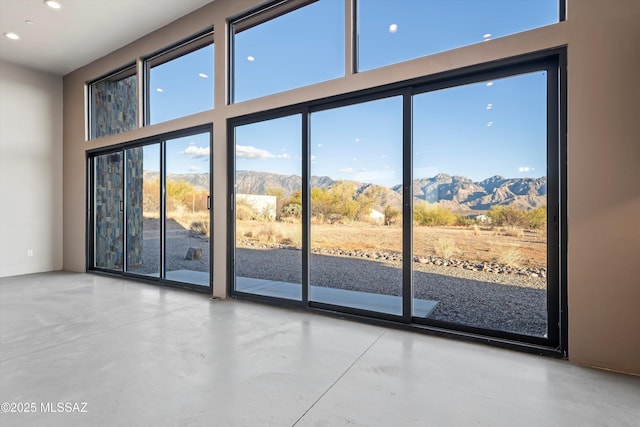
393, 28
12, 36
52, 4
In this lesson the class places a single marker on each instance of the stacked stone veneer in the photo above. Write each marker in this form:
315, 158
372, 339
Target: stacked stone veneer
114, 106
109, 225
134, 188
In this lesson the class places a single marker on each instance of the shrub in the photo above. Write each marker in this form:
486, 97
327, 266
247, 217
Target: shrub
511, 257
513, 231
244, 210
269, 234
200, 228
537, 218
423, 214
390, 214
506, 215
446, 248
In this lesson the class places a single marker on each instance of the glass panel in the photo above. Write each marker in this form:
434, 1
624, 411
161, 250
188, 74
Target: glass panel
356, 206
268, 208
480, 198
187, 227
296, 49
114, 104
108, 219
143, 210
181, 86
391, 31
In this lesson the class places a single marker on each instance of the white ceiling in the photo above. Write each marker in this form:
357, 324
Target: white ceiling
60, 41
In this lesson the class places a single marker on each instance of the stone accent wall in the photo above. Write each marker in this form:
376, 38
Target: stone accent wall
114, 106
108, 217
109, 228
134, 206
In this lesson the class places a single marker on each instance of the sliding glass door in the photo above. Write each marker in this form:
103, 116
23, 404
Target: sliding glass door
268, 208
152, 210
480, 204
356, 215
142, 204
435, 204
187, 209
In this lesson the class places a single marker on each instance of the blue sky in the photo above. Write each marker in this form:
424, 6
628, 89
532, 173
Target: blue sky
476, 131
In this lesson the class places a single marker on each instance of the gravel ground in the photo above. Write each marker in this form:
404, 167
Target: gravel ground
511, 303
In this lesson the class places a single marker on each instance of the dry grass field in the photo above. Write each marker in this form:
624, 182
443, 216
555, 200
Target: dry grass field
507, 246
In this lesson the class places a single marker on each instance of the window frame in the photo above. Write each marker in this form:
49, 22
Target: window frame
554, 62
160, 139
255, 17
355, 41
162, 56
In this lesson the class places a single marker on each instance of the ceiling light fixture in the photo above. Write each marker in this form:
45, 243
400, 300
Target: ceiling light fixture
52, 4
12, 36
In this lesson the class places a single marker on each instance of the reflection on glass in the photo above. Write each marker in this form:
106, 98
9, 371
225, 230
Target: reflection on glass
108, 212
299, 48
390, 31
268, 208
143, 209
480, 203
356, 206
114, 104
182, 85
187, 232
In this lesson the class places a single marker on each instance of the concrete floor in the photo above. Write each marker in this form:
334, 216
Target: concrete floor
141, 355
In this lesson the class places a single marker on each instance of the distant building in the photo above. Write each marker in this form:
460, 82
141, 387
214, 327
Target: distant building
376, 216
482, 218
263, 205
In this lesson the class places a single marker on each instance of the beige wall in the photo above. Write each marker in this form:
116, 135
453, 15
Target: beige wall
604, 184
603, 131
30, 170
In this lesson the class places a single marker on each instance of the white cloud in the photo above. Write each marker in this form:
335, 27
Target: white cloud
393, 28
345, 170
249, 152
526, 169
196, 152
203, 75
250, 58
355, 158
319, 145
194, 168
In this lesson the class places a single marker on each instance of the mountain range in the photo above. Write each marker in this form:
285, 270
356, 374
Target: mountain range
457, 193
